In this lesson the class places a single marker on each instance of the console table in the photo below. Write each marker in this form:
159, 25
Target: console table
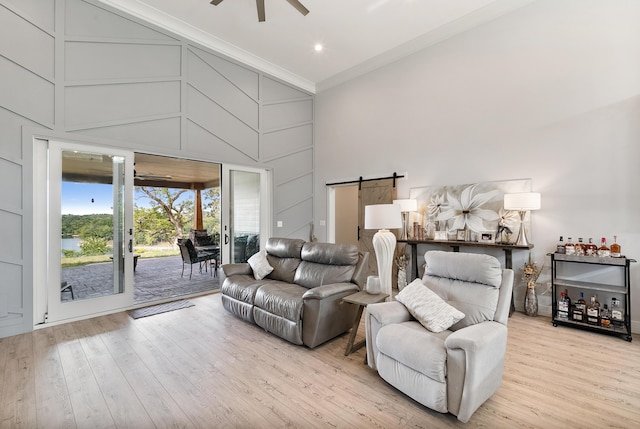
455, 246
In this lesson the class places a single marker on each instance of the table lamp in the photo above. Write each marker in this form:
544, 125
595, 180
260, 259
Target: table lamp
406, 206
383, 217
522, 202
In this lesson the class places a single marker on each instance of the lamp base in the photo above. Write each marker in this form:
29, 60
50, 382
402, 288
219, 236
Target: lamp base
522, 234
384, 244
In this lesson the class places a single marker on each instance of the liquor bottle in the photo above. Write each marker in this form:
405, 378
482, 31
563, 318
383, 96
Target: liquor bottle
566, 296
615, 248
569, 248
617, 313
563, 307
591, 249
560, 246
603, 250
579, 247
579, 309
605, 317
593, 311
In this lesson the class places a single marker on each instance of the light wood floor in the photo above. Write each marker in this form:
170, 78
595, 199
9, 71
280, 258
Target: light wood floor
201, 367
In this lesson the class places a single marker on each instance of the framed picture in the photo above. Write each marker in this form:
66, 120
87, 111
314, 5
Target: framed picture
486, 237
440, 235
460, 235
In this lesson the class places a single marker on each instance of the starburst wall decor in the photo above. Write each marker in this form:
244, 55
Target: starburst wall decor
467, 212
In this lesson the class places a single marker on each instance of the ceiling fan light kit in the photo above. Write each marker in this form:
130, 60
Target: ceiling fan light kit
261, 11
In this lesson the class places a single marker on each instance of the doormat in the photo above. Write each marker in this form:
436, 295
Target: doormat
157, 309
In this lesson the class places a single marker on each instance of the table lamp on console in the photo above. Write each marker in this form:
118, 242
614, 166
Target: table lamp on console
383, 217
522, 202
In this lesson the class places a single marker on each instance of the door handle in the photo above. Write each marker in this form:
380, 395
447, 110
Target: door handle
226, 239
130, 246
358, 232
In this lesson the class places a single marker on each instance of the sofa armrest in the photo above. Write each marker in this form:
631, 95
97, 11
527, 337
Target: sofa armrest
379, 315
324, 291
233, 269
475, 364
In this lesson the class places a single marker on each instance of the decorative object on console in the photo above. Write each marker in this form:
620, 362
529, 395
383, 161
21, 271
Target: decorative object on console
522, 202
383, 217
406, 206
530, 274
401, 263
475, 207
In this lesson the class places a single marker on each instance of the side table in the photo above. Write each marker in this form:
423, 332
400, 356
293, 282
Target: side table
361, 299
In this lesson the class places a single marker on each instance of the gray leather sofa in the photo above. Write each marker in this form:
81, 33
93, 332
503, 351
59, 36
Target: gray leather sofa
301, 299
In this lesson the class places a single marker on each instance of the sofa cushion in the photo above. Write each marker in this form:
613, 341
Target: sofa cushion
326, 263
260, 265
330, 254
469, 267
242, 287
284, 256
413, 346
282, 299
428, 308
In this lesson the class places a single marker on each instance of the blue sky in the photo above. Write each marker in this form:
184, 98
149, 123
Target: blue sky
94, 198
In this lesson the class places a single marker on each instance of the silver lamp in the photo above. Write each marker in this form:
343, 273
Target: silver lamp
383, 217
522, 202
406, 206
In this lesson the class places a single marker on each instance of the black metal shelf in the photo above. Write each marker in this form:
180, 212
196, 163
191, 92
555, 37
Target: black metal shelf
624, 290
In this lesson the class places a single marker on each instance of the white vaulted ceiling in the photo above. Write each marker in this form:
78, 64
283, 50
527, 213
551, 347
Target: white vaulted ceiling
357, 35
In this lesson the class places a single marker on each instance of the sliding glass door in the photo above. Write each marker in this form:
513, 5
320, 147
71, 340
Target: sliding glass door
90, 230
246, 212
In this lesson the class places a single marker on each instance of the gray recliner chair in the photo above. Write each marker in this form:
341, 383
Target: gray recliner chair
458, 369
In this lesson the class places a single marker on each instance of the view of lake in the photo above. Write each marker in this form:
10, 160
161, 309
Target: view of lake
71, 244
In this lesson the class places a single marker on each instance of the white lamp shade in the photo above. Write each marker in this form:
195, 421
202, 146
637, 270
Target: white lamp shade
382, 216
522, 201
407, 205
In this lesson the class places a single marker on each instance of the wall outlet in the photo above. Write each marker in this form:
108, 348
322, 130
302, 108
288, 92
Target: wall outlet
323, 223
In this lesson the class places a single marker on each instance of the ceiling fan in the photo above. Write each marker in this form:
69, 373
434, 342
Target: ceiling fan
260, 5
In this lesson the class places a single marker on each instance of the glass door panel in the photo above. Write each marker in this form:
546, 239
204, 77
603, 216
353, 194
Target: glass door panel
246, 220
90, 230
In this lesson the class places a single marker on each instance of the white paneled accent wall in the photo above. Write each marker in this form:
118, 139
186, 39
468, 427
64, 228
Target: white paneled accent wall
79, 70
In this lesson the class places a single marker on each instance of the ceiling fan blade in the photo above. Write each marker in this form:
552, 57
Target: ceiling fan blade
295, 3
260, 5
216, 2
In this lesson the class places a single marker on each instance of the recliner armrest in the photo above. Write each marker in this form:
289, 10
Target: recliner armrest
324, 291
475, 364
379, 315
233, 269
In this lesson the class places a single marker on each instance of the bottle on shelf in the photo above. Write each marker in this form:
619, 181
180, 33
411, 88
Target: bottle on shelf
560, 246
617, 312
579, 248
563, 307
590, 248
566, 296
615, 248
603, 250
593, 311
569, 247
605, 317
579, 309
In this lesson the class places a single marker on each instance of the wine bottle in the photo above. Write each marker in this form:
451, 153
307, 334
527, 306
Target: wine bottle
617, 312
563, 307
560, 246
579, 309
591, 249
593, 311
579, 248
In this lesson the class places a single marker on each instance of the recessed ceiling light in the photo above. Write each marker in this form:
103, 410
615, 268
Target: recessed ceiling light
318, 47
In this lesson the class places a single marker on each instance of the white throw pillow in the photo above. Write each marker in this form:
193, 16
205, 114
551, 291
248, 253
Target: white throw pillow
428, 308
260, 265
